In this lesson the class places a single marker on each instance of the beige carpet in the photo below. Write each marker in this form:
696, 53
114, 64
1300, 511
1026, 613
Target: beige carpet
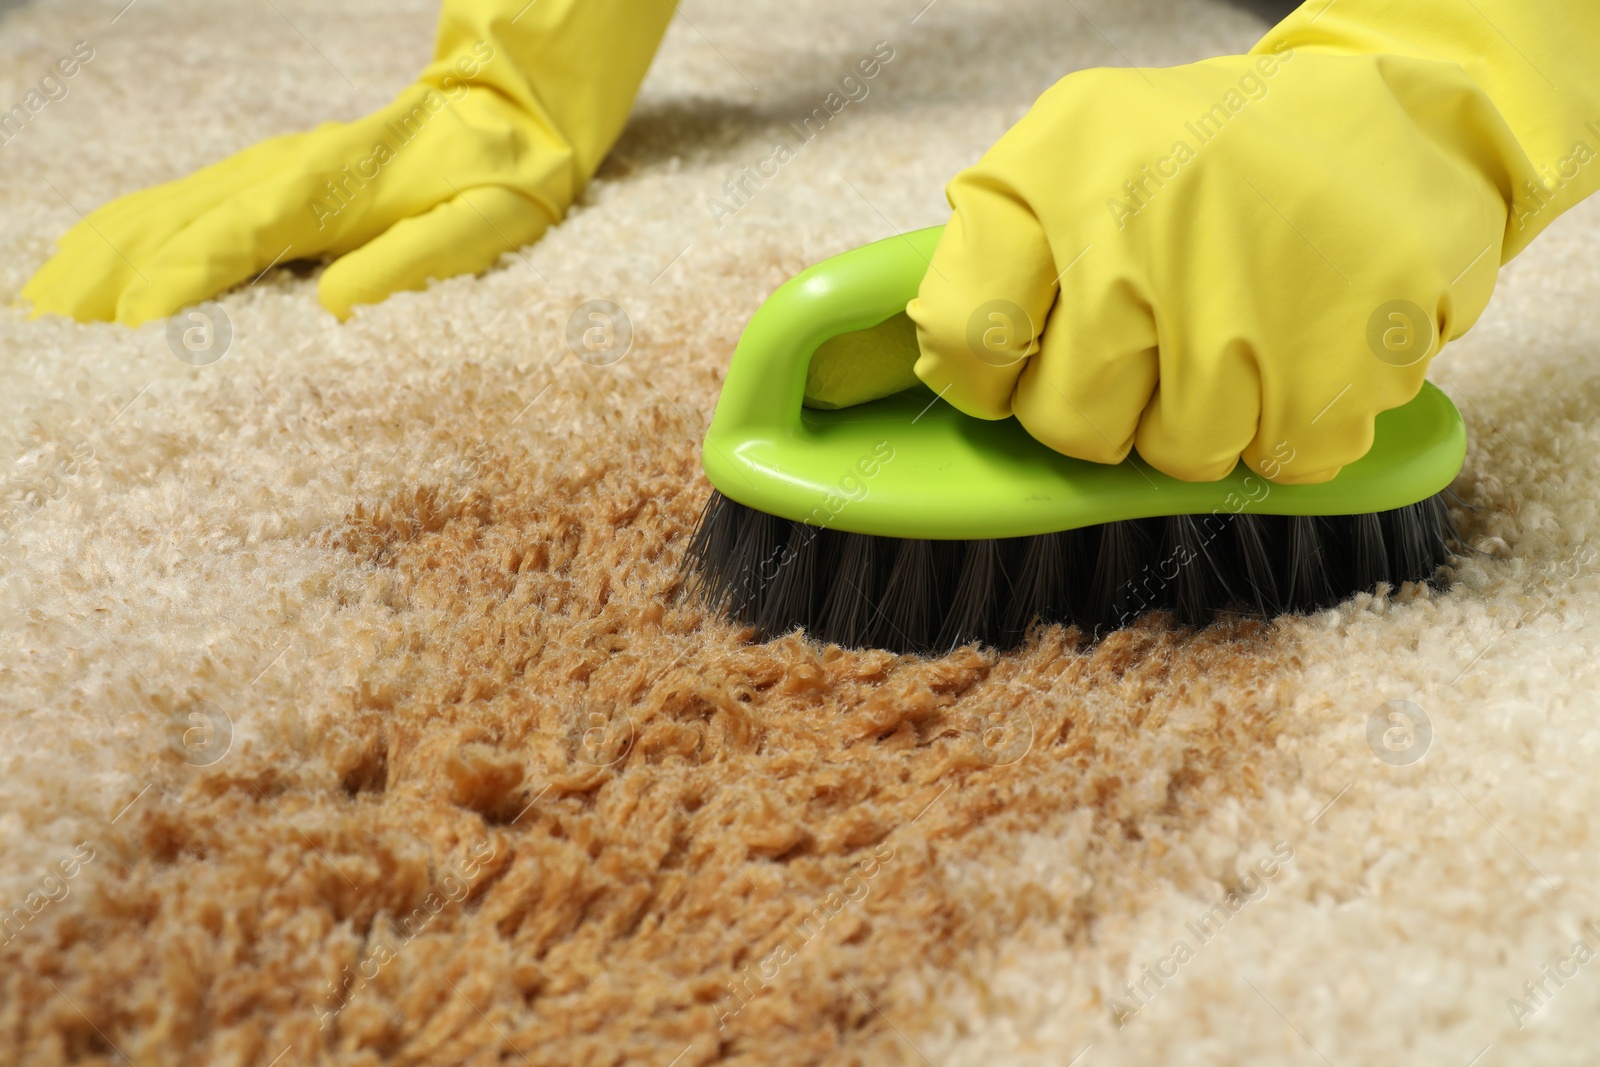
348, 716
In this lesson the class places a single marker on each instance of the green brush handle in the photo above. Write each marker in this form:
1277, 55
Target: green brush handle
766, 383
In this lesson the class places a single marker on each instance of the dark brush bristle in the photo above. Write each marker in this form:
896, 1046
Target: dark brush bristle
1416, 544
791, 577
847, 615
1044, 578
709, 549
975, 607
1200, 581
910, 595
758, 543
1309, 588
1365, 554
1255, 563
911, 604
1121, 585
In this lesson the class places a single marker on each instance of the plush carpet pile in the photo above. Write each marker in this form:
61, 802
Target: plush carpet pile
349, 713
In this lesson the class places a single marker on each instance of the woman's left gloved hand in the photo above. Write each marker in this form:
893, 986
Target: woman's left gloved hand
478, 157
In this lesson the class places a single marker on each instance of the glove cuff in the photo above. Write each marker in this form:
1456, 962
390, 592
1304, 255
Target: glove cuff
1533, 62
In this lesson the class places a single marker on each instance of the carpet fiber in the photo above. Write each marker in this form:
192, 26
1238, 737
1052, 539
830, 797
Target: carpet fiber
349, 714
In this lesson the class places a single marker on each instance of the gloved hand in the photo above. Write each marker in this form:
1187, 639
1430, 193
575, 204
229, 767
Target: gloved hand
1252, 256
478, 157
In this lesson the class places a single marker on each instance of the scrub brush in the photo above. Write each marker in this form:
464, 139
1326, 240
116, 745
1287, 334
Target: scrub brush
906, 525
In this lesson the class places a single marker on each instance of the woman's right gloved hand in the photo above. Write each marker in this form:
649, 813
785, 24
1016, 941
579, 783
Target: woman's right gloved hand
1250, 257
484, 152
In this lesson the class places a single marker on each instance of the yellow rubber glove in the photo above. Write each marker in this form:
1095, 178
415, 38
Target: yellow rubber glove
478, 157
1252, 256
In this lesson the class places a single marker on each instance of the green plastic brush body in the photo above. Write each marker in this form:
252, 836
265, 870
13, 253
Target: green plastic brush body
903, 524
910, 465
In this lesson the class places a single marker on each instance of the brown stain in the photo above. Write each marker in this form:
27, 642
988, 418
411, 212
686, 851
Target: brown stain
652, 804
